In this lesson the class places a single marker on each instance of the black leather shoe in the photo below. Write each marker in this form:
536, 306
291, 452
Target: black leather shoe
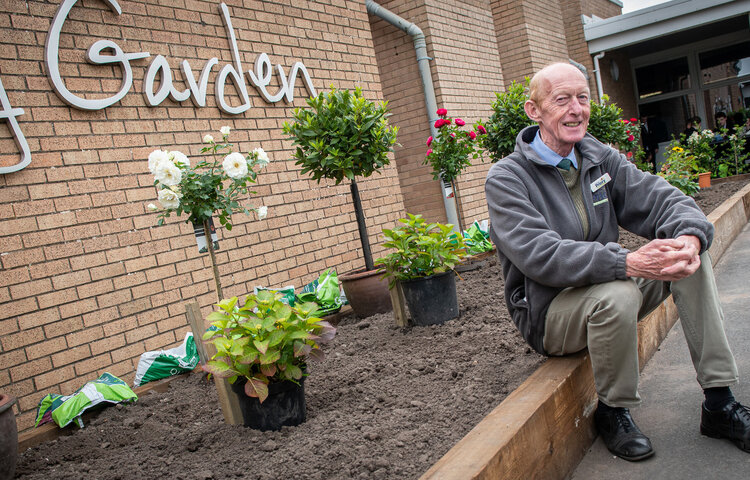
621, 435
732, 422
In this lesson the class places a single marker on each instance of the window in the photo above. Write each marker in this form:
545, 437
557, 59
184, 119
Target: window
724, 63
665, 77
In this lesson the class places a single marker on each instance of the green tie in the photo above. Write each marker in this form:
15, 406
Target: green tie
565, 164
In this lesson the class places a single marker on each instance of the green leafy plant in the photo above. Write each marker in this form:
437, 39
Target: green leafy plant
212, 185
265, 340
342, 135
421, 249
700, 145
452, 149
507, 121
681, 169
735, 160
608, 126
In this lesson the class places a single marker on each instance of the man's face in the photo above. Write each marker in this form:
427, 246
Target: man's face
563, 109
721, 121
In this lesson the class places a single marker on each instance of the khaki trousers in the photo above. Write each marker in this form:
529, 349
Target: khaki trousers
604, 317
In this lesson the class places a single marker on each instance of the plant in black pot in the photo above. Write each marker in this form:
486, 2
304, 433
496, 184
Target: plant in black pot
422, 263
262, 348
341, 136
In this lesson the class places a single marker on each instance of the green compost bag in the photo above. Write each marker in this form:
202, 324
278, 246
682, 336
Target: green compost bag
477, 239
324, 291
165, 363
64, 409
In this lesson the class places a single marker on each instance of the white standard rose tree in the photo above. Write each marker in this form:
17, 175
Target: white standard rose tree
214, 185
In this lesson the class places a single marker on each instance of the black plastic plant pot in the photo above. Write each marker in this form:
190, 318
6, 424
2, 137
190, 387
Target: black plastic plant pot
285, 405
431, 300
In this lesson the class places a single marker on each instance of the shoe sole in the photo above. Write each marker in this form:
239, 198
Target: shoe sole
713, 434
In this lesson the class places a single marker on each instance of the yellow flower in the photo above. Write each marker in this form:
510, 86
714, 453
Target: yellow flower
677, 149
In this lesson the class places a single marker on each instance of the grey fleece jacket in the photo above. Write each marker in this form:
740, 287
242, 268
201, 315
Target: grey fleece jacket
539, 235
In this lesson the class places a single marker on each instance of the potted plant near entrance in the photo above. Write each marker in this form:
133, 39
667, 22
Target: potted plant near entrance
422, 263
262, 348
341, 136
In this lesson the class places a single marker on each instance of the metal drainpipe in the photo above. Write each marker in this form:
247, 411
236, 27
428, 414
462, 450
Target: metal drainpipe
423, 64
598, 75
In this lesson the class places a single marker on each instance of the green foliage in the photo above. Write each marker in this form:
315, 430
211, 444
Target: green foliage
508, 119
681, 169
606, 124
207, 187
265, 340
341, 135
451, 151
700, 145
421, 249
734, 162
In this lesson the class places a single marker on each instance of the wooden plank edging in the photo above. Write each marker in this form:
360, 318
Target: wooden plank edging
544, 427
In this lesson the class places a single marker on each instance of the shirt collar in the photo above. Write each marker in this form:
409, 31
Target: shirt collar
549, 156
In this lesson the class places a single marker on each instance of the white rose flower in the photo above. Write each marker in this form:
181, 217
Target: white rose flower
168, 198
155, 158
180, 158
235, 165
262, 212
262, 157
151, 207
208, 139
168, 173
225, 130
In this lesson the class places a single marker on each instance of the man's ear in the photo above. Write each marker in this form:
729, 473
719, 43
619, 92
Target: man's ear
532, 111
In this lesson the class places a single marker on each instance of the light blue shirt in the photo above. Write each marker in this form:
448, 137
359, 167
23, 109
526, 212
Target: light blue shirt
550, 156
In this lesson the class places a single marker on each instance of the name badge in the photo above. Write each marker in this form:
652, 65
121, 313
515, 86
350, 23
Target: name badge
600, 182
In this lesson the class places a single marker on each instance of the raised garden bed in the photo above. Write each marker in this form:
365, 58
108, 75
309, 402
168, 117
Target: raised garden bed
387, 403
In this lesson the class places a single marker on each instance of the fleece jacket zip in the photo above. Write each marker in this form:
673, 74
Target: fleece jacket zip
539, 236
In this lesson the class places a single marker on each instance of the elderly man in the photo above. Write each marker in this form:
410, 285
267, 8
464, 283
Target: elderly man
555, 205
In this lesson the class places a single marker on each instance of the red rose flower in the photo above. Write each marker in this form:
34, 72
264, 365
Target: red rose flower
428, 152
633, 120
630, 138
472, 134
629, 154
429, 141
481, 129
627, 131
439, 122
453, 135
442, 111
459, 122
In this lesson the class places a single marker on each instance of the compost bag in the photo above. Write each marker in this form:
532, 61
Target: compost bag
165, 363
325, 291
64, 409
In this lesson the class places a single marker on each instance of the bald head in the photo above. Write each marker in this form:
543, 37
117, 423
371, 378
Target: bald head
541, 82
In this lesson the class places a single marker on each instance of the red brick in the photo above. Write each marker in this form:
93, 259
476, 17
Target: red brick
30, 369
45, 381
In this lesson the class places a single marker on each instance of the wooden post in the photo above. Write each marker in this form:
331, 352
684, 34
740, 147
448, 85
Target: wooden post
399, 307
230, 405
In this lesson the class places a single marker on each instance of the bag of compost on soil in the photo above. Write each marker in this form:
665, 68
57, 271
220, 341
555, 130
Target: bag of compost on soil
477, 239
324, 291
165, 363
64, 409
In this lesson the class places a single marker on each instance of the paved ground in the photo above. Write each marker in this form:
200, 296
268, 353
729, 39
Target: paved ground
670, 413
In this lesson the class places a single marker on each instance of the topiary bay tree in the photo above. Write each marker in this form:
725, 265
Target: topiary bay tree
340, 136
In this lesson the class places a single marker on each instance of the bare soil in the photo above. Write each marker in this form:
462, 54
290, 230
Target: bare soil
387, 403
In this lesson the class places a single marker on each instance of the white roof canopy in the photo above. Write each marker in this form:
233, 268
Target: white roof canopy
657, 21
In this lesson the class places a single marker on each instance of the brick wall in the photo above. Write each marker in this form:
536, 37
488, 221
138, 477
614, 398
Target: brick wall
530, 35
88, 281
466, 72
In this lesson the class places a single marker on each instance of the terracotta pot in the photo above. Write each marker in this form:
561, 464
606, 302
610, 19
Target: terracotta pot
8, 438
704, 180
366, 292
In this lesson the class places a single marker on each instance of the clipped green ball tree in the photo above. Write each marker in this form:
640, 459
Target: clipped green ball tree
340, 136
